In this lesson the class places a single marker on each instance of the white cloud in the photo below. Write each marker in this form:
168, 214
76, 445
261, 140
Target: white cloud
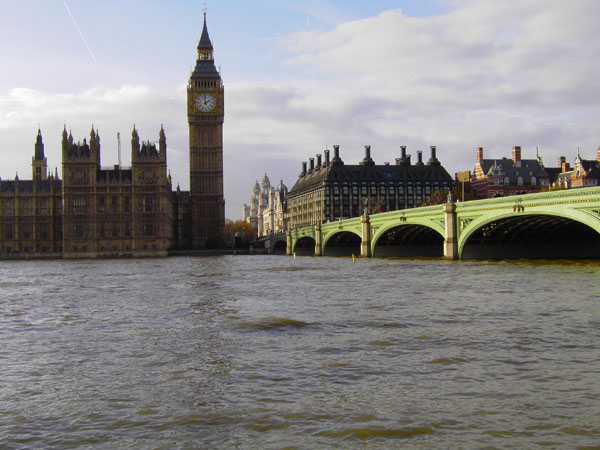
487, 73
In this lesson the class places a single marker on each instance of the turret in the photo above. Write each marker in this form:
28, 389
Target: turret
135, 143
162, 143
95, 146
39, 163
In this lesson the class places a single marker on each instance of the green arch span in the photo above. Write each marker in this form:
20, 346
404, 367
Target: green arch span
385, 227
567, 213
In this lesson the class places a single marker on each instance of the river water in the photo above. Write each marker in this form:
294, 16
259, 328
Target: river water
272, 352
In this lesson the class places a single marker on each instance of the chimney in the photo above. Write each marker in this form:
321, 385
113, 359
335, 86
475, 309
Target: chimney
319, 161
516, 153
404, 160
561, 161
367, 161
303, 168
433, 159
336, 155
327, 158
479, 155
312, 164
598, 156
419, 158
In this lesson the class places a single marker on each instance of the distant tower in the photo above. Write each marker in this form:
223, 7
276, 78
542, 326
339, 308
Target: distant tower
205, 110
39, 163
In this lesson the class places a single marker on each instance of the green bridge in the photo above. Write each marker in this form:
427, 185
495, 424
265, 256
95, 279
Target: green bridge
559, 224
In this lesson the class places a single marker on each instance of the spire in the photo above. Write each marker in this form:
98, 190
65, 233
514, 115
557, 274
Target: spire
39, 146
205, 64
204, 43
162, 141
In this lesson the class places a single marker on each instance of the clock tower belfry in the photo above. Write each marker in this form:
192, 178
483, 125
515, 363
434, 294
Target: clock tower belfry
205, 111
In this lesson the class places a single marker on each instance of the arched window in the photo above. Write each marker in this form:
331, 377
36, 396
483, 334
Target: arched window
520, 181
533, 181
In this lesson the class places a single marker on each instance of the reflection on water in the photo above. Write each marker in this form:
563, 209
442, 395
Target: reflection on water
271, 352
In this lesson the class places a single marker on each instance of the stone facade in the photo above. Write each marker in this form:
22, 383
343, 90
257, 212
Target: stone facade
93, 211
267, 212
205, 112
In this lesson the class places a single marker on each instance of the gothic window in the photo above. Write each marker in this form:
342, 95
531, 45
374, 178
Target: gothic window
44, 207
126, 204
148, 229
147, 204
44, 231
520, 181
8, 209
101, 230
8, 231
26, 231
79, 230
78, 176
79, 205
533, 181
114, 204
101, 205
26, 209
115, 229
148, 176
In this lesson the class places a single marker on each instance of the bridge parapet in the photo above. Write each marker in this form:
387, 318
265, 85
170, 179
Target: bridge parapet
457, 223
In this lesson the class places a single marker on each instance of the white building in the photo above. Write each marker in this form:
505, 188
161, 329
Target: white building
267, 212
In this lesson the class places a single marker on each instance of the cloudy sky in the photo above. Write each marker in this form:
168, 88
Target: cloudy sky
301, 76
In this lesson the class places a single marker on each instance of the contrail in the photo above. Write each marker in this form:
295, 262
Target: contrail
79, 31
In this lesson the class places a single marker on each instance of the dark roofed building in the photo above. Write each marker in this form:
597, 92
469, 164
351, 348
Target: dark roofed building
502, 177
330, 190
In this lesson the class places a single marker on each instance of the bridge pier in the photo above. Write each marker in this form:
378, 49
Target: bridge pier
365, 245
318, 239
451, 237
288, 246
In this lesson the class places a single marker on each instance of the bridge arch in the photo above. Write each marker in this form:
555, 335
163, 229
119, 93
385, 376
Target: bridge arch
304, 246
279, 247
408, 239
536, 234
342, 243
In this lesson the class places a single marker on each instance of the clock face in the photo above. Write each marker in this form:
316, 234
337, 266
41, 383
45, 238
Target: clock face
205, 102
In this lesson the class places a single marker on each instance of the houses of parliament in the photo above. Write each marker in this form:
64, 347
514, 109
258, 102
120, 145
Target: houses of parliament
96, 211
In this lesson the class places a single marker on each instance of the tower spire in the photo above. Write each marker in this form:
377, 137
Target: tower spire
205, 63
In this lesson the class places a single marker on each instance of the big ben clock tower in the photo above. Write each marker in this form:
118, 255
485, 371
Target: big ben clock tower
205, 110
